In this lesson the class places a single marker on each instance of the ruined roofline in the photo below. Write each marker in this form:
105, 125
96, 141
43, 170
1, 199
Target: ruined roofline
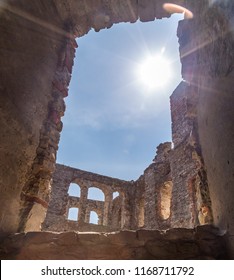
83, 16
88, 174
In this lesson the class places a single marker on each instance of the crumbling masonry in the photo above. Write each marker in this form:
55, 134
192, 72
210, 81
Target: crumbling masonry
172, 192
189, 184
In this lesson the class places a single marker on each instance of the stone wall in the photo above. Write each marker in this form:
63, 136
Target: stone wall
113, 214
138, 204
191, 204
32, 38
207, 45
36, 42
201, 243
37, 49
36, 192
159, 199
155, 177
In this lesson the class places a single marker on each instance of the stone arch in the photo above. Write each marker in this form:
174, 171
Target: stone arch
74, 190
116, 194
95, 193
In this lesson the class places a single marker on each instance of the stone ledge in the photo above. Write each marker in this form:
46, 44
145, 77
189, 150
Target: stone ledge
204, 242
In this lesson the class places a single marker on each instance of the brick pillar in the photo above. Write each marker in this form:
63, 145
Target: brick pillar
107, 204
150, 199
87, 216
83, 201
126, 212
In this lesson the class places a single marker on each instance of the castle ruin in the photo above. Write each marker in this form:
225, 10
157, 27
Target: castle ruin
184, 198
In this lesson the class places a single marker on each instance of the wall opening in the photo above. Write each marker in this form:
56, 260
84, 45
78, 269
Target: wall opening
95, 193
165, 200
73, 214
115, 109
115, 194
93, 218
74, 190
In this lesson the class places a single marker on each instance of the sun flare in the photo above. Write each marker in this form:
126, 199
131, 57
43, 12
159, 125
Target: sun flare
155, 72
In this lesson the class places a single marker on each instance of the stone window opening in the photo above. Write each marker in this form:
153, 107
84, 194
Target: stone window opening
125, 110
95, 193
93, 218
115, 194
73, 214
74, 190
165, 200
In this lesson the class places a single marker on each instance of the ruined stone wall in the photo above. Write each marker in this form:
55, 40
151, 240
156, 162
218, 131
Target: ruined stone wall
113, 213
190, 195
145, 203
100, 14
36, 192
32, 38
208, 49
172, 192
155, 176
37, 50
34, 44
159, 199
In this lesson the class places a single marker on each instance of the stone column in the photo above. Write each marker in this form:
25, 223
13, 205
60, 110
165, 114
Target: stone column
125, 212
107, 203
83, 202
87, 216
150, 221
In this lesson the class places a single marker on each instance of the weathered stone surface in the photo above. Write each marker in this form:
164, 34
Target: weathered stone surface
27, 39
207, 58
176, 177
108, 211
42, 33
124, 245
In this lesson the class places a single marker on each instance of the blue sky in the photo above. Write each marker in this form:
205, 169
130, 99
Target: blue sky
113, 122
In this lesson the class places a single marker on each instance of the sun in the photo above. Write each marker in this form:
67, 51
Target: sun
154, 72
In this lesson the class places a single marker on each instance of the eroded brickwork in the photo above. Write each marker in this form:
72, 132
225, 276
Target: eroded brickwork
30, 114
171, 193
155, 176
36, 192
113, 214
68, 20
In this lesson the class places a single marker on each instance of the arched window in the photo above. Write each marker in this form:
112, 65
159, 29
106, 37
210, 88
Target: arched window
74, 190
115, 194
93, 218
73, 214
96, 194
165, 198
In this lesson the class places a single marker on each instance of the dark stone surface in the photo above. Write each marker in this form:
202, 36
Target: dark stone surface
181, 244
